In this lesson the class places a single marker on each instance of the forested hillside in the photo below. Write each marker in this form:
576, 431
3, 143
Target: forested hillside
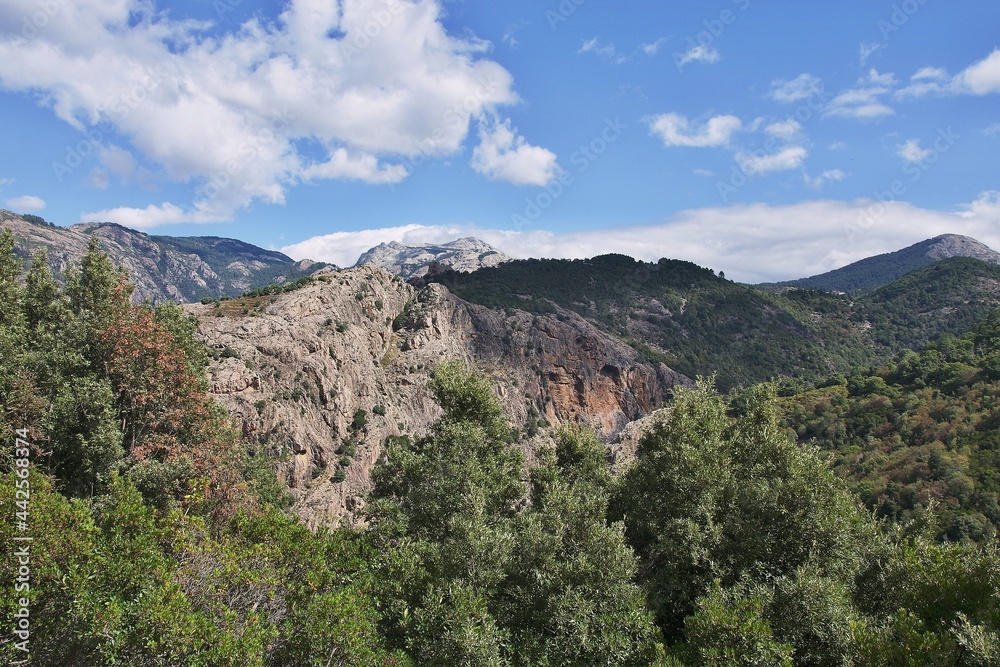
700, 323
920, 431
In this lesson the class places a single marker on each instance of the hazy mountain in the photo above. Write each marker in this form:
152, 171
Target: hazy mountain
409, 261
162, 268
882, 269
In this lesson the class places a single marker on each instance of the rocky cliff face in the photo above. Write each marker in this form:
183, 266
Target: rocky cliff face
411, 261
162, 268
324, 375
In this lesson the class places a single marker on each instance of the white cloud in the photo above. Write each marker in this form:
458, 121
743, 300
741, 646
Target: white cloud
800, 88
145, 218
676, 130
606, 51
751, 243
343, 164
229, 112
987, 207
702, 53
703, 172
991, 131
912, 152
653, 48
786, 129
504, 155
791, 157
864, 101
26, 204
930, 74
828, 176
983, 77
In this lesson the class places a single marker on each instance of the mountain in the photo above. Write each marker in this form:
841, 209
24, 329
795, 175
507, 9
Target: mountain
410, 261
322, 376
701, 324
163, 268
880, 270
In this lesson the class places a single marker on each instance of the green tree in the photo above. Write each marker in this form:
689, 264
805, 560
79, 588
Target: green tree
712, 498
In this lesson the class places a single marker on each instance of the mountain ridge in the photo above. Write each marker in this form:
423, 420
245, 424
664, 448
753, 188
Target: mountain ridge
163, 268
878, 270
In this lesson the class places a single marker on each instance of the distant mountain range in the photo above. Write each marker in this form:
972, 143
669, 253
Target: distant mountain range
411, 261
873, 272
163, 268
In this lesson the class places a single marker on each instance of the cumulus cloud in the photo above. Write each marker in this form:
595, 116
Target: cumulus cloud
800, 88
912, 152
26, 203
676, 130
751, 243
373, 83
504, 155
752, 164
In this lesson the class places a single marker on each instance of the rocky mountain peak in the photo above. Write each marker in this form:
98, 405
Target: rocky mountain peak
955, 245
410, 261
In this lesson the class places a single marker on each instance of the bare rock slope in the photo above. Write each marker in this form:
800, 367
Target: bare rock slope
322, 376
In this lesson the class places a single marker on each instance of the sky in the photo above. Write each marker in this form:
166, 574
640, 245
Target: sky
770, 140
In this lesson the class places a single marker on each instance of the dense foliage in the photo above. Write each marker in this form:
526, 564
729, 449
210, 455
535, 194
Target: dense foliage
922, 429
484, 578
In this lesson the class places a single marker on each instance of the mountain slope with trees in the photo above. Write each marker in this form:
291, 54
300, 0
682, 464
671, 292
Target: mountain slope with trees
700, 323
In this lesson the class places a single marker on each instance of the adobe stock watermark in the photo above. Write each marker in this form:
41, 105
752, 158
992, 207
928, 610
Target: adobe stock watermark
747, 168
21, 554
705, 39
32, 25
581, 159
563, 12
901, 14
120, 110
944, 141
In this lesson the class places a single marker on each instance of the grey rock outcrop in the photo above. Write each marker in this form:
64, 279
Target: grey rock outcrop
325, 374
411, 261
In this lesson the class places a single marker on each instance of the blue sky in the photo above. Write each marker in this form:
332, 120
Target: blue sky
769, 140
